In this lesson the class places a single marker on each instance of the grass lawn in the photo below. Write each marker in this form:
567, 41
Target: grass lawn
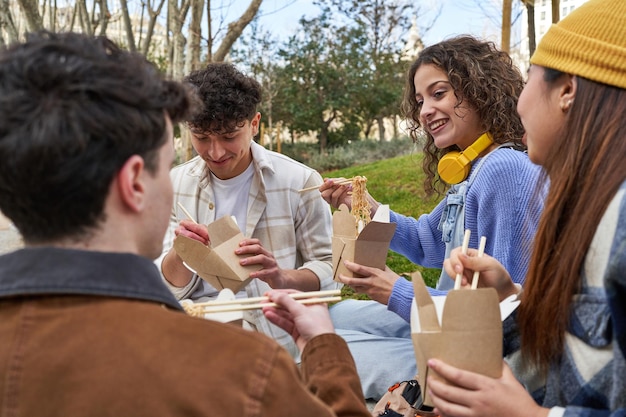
397, 182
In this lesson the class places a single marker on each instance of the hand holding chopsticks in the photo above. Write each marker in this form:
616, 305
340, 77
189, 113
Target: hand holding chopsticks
302, 324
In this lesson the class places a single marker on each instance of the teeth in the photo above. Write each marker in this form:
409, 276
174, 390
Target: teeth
436, 124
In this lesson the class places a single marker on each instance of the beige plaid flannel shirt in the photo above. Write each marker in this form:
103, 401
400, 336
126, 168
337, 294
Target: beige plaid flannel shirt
295, 227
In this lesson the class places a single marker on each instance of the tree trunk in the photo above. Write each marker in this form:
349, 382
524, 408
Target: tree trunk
83, 15
507, 6
105, 16
323, 138
52, 15
128, 26
556, 5
7, 24
381, 128
368, 128
532, 41
73, 19
30, 9
176, 17
195, 35
324, 131
209, 38
185, 136
235, 29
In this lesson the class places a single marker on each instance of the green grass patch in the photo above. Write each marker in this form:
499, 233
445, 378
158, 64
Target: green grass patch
397, 182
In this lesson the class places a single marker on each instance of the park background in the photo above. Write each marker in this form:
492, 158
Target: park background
332, 70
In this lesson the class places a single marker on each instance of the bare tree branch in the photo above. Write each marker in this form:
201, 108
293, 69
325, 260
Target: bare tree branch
104, 17
235, 29
154, 14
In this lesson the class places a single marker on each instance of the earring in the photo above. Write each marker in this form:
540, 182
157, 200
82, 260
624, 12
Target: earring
565, 106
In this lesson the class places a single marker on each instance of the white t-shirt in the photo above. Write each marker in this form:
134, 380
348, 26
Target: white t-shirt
231, 196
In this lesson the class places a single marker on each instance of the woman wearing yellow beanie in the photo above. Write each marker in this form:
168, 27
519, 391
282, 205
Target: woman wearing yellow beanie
566, 343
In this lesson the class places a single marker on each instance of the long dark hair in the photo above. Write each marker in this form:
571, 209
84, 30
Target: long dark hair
585, 168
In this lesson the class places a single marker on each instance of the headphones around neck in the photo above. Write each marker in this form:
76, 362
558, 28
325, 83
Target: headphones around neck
455, 166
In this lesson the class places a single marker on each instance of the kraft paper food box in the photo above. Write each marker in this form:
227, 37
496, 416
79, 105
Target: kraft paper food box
217, 264
369, 247
465, 333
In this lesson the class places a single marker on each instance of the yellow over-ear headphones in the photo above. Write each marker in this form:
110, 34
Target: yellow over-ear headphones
454, 166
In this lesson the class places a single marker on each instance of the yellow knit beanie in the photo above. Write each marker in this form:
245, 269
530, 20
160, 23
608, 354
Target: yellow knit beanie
590, 42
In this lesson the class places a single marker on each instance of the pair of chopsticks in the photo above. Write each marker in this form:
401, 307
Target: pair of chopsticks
481, 251
315, 187
310, 297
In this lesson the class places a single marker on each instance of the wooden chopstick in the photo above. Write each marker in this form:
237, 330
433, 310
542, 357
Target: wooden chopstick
186, 212
316, 187
254, 300
481, 251
241, 307
459, 277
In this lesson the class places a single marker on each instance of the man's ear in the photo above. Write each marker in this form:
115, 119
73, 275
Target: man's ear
255, 123
130, 183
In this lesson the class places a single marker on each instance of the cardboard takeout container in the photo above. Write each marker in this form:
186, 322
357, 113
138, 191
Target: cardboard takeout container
367, 248
468, 335
217, 264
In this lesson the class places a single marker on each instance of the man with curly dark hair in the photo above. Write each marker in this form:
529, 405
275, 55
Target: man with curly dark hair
460, 97
87, 327
287, 233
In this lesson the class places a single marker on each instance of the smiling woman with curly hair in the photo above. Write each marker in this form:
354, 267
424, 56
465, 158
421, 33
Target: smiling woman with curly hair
461, 95
482, 78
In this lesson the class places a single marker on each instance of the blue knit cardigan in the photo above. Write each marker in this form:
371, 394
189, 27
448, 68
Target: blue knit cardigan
499, 205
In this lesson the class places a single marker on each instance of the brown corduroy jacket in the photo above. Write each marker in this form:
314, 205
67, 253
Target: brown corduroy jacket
87, 334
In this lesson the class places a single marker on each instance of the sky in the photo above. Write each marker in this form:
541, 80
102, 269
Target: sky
457, 17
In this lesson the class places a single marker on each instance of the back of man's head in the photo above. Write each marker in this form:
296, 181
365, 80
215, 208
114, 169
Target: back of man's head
229, 97
74, 109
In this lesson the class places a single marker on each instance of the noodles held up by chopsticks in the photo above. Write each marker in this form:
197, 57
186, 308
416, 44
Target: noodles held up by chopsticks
360, 206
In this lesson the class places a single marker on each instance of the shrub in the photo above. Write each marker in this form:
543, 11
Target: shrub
351, 154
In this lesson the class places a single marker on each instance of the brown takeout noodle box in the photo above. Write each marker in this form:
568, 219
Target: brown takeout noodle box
217, 264
367, 248
470, 335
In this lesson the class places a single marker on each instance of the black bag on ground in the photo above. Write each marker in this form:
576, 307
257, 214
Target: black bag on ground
403, 399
